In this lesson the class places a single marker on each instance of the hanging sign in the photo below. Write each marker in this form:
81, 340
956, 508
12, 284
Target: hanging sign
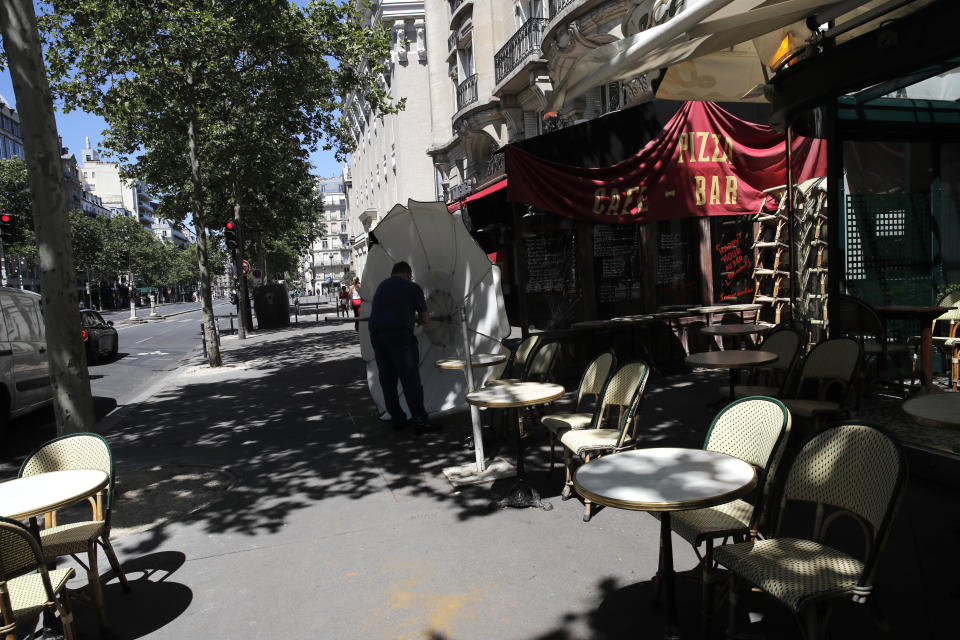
705, 162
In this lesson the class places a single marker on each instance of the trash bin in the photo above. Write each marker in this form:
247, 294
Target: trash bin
272, 305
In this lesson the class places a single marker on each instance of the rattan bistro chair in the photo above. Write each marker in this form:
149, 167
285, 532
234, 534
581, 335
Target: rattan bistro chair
591, 386
623, 390
79, 451
27, 587
826, 379
516, 365
754, 429
772, 380
851, 470
538, 369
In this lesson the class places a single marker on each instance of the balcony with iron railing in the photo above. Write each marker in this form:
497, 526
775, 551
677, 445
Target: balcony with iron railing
456, 6
452, 41
467, 92
556, 6
521, 45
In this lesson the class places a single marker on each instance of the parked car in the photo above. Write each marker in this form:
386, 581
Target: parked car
99, 336
24, 372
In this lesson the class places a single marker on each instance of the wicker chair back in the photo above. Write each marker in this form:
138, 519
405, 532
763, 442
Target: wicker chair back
854, 467
540, 367
595, 376
69, 452
19, 550
829, 363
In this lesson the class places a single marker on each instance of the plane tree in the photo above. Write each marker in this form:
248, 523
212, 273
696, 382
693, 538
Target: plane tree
167, 78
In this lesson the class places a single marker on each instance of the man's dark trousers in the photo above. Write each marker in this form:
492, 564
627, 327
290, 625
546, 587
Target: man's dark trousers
398, 358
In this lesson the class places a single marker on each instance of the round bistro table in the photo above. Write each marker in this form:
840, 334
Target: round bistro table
32, 496
664, 480
477, 361
939, 410
514, 396
733, 359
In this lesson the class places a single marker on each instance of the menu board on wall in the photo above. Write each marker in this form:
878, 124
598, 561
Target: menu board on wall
732, 239
551, 262
677, 275
618, 266
553, 293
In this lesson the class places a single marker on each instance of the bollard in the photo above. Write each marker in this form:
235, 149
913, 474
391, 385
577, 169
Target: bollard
231, 324
203, 339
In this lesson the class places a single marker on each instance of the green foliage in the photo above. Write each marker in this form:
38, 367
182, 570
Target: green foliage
15, 200
257, 84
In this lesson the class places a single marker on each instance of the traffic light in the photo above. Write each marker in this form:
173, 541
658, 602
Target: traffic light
230, 235
6, 226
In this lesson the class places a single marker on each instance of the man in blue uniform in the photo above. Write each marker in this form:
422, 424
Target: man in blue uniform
396, 303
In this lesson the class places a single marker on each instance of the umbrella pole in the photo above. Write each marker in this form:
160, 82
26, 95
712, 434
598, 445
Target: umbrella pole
474, 411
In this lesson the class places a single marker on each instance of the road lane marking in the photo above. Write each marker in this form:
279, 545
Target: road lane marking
144, 340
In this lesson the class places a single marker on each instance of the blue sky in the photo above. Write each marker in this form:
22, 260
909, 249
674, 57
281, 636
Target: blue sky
73, 127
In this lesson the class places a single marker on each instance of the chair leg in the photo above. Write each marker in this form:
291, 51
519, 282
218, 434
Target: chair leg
587, 505
62, 604
553, 446
568, 482
114, 563
93, 578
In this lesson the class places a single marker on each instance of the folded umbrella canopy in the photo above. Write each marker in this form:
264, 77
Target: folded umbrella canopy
455, 273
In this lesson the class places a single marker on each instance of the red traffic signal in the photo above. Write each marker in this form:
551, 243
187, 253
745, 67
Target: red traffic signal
7, 226
230, 235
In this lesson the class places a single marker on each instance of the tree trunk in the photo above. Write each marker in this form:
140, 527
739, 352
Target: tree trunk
209, 327
243, 309
72, 402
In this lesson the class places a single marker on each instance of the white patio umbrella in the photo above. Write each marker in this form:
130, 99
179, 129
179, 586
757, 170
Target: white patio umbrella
455, 273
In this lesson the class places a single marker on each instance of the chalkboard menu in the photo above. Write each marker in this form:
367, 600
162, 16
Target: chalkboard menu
731, 242
551, 262
618, 268
554, 298
678, 273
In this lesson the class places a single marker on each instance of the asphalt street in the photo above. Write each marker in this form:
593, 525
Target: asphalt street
149, 351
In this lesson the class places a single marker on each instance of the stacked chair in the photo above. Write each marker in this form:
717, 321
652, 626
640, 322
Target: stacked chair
79, 451
591, 386
851, 471
27, 587
755, 430
623, 391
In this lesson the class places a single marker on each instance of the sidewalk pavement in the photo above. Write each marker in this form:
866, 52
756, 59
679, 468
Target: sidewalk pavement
265, 499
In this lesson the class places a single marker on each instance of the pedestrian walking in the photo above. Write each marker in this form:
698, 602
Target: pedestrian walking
398, 301
343, 302
356, 300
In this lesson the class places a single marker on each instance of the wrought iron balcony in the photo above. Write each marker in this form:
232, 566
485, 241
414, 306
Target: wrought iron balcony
556, 6
467, 92
454, 5
524, 43
452, 42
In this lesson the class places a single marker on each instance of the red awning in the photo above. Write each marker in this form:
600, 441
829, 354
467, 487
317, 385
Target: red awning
496, 186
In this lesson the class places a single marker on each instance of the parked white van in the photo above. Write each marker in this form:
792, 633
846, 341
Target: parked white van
24, 371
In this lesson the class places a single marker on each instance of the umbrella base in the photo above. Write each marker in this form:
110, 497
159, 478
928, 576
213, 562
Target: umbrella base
467, 474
